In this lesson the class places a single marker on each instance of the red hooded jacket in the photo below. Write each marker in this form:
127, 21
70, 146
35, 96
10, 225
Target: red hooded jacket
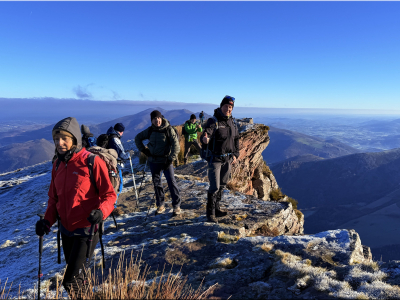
72, 195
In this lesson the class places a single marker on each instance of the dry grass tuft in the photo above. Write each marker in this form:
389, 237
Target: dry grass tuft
127, 281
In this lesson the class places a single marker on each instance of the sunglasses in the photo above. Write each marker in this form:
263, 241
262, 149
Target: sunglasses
230, 98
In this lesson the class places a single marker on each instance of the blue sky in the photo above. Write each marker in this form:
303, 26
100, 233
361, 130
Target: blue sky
342, 55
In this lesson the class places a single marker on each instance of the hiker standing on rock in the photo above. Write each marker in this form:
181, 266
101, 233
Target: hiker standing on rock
221, 142
162, 150
201, 116
191, 129
114, 142
74, 200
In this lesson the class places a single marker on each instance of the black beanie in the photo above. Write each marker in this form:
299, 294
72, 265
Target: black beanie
227, 100
119, 127
192, 116
155, 114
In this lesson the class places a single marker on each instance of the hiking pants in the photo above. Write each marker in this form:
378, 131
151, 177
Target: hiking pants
218, 175
75, 248
187, 147
156, 173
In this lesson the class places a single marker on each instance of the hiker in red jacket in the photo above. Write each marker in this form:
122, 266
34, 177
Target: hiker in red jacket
76, 202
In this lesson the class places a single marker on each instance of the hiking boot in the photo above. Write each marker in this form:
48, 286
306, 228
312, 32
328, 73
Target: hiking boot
210, 210
160, 209
117, 211
185, 161
177, 211
218, 212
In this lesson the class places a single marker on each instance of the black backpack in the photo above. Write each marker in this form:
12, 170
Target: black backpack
102, 140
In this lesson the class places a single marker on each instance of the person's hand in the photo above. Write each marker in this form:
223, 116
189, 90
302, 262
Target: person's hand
146, 152
198, 126
131, 152
206, 139
42, 227
234, 160
167, 164
96, 216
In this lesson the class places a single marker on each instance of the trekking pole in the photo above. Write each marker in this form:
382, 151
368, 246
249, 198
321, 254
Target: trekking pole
134, 183
149, 208
141, 183
41, 216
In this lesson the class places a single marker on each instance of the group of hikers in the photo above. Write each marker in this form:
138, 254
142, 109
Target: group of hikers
82, 194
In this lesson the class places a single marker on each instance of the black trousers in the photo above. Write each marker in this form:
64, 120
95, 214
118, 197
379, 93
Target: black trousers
75, 248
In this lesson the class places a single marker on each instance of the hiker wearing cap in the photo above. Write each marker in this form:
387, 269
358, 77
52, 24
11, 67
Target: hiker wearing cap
191, 130
221, 142
162, 150
75, 202
115, 133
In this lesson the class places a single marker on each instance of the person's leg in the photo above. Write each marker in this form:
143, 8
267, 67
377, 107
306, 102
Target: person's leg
214, 179
74, 278
173, 187
225, 174
156, 170
186, 152
196, 144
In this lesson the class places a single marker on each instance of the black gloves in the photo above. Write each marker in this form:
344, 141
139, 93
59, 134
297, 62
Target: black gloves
42, 227
167, 164
96, 216
146, 152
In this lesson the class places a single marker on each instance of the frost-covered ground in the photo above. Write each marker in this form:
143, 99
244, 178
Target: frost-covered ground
23, 195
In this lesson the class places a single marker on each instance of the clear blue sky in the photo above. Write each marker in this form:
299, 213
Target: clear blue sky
266, 54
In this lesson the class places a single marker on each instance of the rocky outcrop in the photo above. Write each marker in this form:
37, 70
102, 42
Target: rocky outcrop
250, 175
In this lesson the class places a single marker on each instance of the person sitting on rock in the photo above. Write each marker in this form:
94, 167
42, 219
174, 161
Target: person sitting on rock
162, 150
221, 138
191, 128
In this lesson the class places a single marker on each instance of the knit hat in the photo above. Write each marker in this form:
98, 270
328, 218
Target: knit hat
228, 100
63, 132
119, 127
155, 114
193, 116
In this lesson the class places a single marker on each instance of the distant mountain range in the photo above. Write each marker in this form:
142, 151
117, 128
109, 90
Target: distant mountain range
285, 144
26, 154
133, 125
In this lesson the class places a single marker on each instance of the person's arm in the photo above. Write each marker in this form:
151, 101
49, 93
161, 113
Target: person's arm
236, 143
139, 138
51, 211
199, 129
120, 149
106, 191
175, 147
209, 129
190, 129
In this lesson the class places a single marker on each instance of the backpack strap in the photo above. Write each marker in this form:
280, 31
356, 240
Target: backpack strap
90, 164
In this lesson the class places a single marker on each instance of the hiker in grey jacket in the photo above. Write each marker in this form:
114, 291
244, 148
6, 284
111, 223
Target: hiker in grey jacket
162, 150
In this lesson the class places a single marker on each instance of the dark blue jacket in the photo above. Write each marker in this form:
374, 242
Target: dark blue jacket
115, 143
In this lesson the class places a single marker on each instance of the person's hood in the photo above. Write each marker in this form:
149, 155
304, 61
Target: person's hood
112, 131
164, 124
70, 125
219, 115
85, 130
